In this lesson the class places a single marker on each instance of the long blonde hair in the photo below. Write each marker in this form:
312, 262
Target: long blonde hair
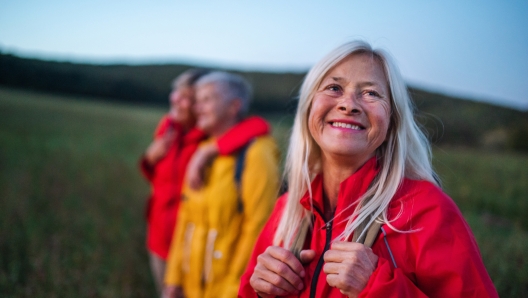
406, 153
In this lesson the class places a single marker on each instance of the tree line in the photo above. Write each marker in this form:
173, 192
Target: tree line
448, 120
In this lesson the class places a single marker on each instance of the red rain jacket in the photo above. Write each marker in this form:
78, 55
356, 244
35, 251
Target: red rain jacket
166, 176
440, 259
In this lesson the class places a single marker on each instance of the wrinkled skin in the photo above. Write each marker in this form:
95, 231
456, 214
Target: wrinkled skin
279, 272
348, 266
349, 119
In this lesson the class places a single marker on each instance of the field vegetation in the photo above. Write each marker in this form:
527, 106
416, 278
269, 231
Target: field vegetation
72, 198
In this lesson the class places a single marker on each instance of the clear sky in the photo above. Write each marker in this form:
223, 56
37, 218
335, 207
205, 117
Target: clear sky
476, 49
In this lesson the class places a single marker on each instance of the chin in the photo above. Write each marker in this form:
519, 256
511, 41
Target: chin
346, 151
202, 126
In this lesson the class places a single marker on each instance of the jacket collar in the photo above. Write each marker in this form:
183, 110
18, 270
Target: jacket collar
350, 190
194, 136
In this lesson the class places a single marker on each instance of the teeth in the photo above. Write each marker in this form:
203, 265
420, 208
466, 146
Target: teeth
345, 125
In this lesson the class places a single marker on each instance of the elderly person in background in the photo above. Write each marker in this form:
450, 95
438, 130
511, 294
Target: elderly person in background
165, 161
364, 215
219, 222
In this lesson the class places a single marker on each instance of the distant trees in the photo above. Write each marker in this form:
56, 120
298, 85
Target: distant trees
73, 79
448, 120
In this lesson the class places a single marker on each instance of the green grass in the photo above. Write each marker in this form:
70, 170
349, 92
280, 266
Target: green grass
71, 199
491, 189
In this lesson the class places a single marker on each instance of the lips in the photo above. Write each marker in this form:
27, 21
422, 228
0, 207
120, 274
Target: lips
349, 125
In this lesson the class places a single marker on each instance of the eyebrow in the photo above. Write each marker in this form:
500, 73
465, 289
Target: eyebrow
362, 84
366, 84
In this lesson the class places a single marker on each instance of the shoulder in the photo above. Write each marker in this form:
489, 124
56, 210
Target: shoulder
262, 143
281, 203
419, 201
165, 120
262, 146
423, 193
162, 126
276, 215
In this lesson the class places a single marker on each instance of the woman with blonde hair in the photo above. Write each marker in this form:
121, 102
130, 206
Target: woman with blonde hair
364, 214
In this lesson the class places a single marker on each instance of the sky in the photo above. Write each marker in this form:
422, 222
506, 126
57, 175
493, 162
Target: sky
474, 49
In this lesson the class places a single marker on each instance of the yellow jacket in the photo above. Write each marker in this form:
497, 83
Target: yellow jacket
214, 238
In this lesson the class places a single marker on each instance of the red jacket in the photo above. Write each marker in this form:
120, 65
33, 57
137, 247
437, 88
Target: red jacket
441, 259
166, 176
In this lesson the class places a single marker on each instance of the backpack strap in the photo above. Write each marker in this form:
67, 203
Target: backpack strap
372, 233
239, 169
369, 237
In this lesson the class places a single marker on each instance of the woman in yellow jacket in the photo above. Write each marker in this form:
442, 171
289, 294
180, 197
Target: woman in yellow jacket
219, 223
217, 229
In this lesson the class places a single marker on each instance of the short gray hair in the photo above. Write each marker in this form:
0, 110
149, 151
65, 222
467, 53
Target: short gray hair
231, 86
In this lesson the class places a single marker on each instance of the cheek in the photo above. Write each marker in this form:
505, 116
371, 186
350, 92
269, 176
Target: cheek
205, 109
174, 95
185, 104
312, 124
383, 120
316, 115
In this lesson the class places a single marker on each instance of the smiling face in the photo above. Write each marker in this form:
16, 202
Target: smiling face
181, 102
350, 112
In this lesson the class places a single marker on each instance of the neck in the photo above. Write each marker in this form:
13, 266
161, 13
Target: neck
187, 126
336, 170
222, 128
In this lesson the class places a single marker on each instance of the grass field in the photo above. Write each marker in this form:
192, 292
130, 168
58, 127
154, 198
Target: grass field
71, 199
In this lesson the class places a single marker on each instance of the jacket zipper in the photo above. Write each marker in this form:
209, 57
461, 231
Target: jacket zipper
317, 272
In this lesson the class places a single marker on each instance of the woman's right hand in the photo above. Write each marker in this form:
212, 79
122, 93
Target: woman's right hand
278, 272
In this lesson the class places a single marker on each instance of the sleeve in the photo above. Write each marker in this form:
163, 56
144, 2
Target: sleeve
173, 270
259, 190
163, 125
264, 240
241, 134
388, 282
441, 251
146, 169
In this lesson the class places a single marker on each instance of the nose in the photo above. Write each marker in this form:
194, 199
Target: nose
349, 104
174, 96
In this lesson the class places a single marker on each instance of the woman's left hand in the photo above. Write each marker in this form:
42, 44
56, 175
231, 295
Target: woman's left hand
348, 266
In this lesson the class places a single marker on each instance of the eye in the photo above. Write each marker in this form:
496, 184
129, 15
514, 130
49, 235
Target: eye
334, 88
373, 93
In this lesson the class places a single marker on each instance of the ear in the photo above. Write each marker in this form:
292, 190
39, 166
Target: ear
235, 106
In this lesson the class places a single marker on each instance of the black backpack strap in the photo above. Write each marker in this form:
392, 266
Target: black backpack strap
239, 169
